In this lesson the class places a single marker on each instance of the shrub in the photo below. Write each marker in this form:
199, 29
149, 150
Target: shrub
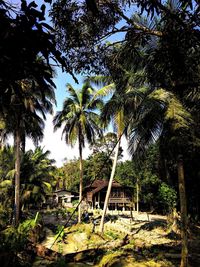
167, 197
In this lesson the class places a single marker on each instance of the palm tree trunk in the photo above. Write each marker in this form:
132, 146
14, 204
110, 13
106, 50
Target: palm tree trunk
23, 142
137, 196
183, 208
101, 229
17, 176
81, 182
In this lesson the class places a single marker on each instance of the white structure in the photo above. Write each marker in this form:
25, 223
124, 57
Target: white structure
64, 198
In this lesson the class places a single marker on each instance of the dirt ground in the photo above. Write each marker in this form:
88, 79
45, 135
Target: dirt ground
150, 242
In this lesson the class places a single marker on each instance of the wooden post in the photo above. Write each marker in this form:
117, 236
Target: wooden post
99, 198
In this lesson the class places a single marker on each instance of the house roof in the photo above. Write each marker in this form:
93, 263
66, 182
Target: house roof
64, 191
100, 183
97, 185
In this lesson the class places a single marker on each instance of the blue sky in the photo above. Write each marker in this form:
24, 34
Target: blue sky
52, 140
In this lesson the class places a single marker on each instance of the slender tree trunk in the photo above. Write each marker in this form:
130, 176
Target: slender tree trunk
81, 182
137, 196
17, 176
23, 143
183, 208
109, 188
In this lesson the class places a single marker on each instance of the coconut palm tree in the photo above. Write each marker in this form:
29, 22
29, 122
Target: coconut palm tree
81, 122
166, 119
117, 110
26, 64
31, 98
36, 175
119, 125
120, 109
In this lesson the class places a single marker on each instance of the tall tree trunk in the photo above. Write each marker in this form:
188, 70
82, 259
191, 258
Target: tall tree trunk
23, 142
109, 188
81, 182
183, 208
137, 196
17, 176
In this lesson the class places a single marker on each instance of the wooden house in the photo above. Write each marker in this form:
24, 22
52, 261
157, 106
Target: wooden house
120, 196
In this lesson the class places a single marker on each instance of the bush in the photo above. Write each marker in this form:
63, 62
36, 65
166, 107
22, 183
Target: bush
15, 240
5, 215
167, 197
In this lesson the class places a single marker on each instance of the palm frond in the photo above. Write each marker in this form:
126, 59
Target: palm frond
86, 94
76, 115
106, 90
11, 174
73, 92
146, 127
175, 112
5, 184
98, 80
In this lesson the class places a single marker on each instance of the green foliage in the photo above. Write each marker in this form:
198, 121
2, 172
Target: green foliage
84, 31
6, 184
157, 54
167, 197
62, 212
70, 175
6, 162
97, 166
112, 235
105, 145
15, 239
26, 85
60, 234
24, 37
126, 173
79, 116
36, 176
26, 77
156, 47
153, 192
5, 215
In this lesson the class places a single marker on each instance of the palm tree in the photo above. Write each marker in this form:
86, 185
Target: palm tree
119, 124
168, 64
31, 98
117, 109
165, 117
36, 175
81, 122
26, 64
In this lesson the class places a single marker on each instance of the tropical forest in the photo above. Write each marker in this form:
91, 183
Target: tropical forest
100, 133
